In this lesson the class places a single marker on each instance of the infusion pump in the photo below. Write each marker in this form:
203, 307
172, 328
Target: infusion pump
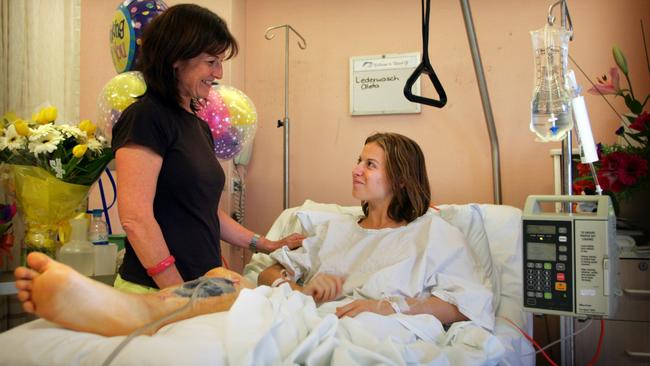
570, 258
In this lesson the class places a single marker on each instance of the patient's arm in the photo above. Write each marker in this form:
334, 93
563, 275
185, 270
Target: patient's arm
58, 293
323, 287
444, 311
274, 272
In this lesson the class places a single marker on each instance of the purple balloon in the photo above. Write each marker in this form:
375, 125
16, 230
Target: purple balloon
228, 144
129, 21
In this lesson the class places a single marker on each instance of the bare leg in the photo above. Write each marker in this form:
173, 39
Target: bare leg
58, 293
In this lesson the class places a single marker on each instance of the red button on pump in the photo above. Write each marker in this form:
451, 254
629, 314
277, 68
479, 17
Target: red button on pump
560, 276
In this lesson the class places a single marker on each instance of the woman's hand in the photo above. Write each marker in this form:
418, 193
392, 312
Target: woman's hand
324, 287
356, 307
293, 241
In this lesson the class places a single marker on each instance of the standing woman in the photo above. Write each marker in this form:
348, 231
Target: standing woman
169, 180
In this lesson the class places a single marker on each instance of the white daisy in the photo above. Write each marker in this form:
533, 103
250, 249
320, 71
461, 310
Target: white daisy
97, 144
44, 139
12, 140
71, 131
94, 145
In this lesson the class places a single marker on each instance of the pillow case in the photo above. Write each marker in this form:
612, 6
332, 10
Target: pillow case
467, 218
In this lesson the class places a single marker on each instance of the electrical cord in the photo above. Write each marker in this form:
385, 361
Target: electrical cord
239, 197
542, 350
600, 344
155, 324
562, 339
530, 339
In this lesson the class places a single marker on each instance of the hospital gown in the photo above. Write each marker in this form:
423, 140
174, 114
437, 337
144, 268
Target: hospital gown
427, 257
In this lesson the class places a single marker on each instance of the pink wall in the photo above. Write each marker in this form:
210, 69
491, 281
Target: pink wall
326, 140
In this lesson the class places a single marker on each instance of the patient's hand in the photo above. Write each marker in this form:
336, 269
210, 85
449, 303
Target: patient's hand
324, 287
359, 306
293, 241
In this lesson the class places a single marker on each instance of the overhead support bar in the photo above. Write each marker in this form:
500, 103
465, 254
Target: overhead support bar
485, 99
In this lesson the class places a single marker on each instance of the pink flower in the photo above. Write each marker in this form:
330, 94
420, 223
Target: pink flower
605, 86
642, 122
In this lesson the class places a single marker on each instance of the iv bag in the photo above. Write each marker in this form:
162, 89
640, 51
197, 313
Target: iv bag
551, 116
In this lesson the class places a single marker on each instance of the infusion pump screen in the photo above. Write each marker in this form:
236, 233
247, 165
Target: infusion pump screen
540, 252
540, 229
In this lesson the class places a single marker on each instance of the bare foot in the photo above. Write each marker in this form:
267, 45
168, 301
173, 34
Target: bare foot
60, 294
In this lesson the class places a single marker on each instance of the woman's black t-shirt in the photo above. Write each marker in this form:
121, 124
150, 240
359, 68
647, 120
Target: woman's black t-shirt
188, 188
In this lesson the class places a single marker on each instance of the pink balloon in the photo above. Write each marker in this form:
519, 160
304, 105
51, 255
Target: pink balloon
215, 113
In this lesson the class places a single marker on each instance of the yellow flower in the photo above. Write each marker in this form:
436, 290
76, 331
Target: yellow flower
10, 117
87, 126
79, 151
45, 115
50, 113
21, 127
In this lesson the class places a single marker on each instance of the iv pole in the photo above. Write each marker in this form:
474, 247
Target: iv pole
566, 322
285, 121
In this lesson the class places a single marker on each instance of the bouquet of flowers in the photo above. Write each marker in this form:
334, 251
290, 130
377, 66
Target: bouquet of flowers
622, 169
54, 166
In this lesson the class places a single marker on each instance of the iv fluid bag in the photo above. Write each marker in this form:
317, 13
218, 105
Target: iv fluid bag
551, 116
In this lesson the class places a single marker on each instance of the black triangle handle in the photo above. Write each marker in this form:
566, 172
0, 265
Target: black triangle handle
425, 68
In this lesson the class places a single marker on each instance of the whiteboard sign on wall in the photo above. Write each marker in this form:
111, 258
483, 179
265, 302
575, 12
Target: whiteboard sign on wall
377, 84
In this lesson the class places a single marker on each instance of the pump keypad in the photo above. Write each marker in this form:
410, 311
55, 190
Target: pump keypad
547, 265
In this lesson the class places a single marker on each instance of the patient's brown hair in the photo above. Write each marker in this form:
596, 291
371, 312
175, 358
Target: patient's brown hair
407, 173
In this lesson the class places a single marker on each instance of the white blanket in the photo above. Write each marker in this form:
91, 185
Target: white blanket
265, 326
427, 257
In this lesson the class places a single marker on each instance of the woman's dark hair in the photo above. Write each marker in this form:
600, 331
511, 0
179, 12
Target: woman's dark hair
180, 33
407, 175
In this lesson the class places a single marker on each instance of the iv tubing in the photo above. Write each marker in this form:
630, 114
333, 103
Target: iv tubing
155, 324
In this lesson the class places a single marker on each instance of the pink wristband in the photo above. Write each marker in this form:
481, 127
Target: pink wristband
158, 268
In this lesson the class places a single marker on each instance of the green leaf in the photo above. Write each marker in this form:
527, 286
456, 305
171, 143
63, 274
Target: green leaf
634, 105
636, 137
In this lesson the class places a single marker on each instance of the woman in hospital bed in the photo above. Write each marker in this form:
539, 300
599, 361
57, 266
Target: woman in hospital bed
400, 257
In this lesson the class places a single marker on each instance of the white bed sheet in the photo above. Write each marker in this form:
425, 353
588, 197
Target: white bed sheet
277, 326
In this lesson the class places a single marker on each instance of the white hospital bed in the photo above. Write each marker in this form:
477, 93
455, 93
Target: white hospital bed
277, 326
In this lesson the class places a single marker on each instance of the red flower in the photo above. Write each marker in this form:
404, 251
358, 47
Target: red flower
609, 181
583, 169
642, 122
619, 170
632, 168
584, 185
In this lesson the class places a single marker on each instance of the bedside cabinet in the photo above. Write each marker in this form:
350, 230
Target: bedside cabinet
627, 333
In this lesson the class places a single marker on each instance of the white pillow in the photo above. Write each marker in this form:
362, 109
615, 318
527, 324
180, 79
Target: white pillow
468, 219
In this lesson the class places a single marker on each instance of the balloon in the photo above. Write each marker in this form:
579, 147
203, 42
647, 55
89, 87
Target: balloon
232, 119
120, 92
129, 21
228, 144
214, 112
